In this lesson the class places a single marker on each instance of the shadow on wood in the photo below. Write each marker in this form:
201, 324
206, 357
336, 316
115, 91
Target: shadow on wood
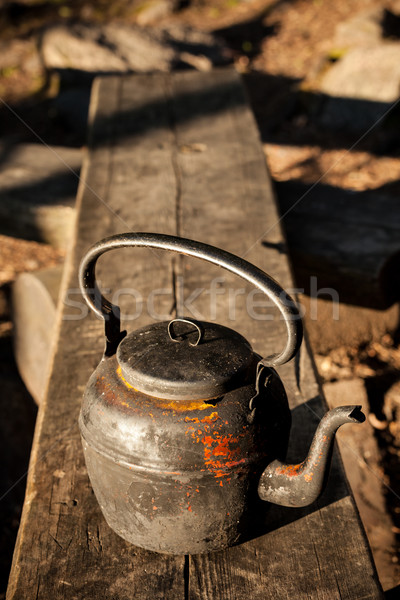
330, 122
347, 241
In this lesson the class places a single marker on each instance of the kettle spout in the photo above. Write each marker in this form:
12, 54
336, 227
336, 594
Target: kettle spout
299, 485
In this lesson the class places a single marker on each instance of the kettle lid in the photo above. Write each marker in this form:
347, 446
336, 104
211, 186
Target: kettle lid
186, 360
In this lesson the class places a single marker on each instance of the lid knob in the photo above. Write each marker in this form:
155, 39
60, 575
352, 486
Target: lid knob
178, 338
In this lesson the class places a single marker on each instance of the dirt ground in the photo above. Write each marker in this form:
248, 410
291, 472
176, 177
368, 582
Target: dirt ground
281, 47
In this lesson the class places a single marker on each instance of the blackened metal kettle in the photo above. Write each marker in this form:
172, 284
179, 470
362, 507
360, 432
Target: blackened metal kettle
184, 427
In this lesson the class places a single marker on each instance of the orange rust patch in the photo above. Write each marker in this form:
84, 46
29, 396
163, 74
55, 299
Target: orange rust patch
181, 405
308, 477
109, 395
176, 405
128, 385
190, 430
289, 470
207, 439
223, 448
226, 448
219, 473
319, 458
192, 419
210, 418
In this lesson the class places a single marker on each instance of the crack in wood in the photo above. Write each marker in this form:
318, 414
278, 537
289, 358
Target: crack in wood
186, 577
338, 587
99, 538
37, 589
56, 541
177, 261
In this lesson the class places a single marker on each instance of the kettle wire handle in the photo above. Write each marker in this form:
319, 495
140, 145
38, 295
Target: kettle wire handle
111, 313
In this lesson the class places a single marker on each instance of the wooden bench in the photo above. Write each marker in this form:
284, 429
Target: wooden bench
176, 154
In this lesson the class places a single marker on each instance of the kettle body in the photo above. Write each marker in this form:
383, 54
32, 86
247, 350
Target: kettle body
179, 476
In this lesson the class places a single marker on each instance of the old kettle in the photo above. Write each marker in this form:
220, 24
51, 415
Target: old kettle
184, 427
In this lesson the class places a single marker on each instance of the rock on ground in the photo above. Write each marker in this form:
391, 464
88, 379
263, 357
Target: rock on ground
122, 48
361, 86
366, 73
364, 29
34, 303
154, 10
38, 187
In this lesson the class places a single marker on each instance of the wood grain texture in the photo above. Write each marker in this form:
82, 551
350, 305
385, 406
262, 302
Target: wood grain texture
176, 154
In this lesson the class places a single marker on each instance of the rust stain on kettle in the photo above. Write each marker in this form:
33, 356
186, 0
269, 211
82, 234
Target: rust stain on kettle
208, 419
289, 470
226, 448
175, 405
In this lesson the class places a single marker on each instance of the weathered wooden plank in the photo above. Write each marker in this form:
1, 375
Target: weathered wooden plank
308, 553
175, 154
348, 240
64, 547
